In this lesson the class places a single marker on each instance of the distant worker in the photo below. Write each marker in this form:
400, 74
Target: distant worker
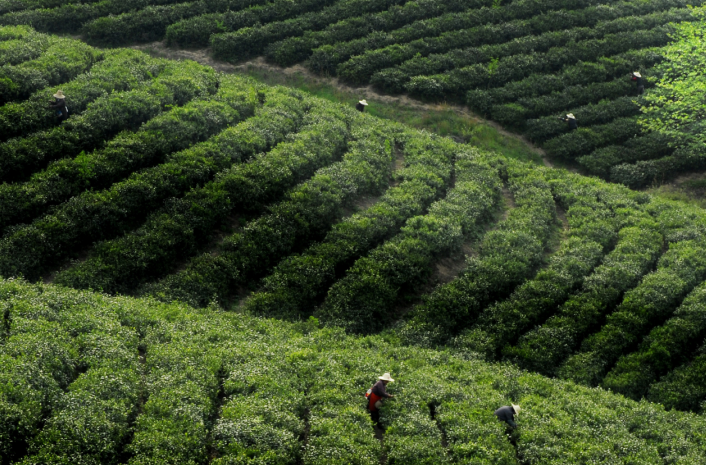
637, 79
59, 105
360, 106
375, 396
571, 120
507, 414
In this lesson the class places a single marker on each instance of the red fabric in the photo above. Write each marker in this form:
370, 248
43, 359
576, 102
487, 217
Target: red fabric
371, 401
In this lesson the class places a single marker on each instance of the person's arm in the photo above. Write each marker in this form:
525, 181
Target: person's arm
380, 390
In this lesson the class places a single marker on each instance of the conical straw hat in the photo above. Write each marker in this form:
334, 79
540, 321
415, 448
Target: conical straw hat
386, 377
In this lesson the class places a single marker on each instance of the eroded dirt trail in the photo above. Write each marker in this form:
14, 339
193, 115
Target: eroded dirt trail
368, 92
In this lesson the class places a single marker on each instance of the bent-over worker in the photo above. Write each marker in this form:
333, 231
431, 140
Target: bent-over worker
507, 414
59, 105
571, 120
377, 393
636, 77
360, 106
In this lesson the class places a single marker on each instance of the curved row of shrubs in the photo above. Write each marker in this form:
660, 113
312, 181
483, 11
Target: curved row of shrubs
106, 116
36, 248
299, 281
183, 226
168, 132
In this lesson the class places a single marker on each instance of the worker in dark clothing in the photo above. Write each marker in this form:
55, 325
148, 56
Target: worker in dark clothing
637, 79
571, 120
375, 396
507, 414
360, 106
59, 106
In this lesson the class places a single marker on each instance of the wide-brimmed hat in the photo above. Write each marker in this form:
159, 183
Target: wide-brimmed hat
516, 408
59, 94
570, 116
363, 102
636, 74
386, 377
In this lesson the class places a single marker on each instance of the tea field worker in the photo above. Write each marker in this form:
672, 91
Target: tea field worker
376, 395
636, 77
59, 105
360, 106
507, 414
571, 120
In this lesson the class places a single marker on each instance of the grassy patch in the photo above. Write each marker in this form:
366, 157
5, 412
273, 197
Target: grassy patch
445, 120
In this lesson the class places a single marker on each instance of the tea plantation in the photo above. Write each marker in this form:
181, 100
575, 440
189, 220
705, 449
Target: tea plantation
200, 268
522, 63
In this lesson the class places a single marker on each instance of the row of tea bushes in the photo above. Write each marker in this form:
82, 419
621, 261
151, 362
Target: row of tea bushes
593, 221
363, 300
229, 388
59, 63
154, 143
183, 226
120, 70
507, 255
300, 280
35, 248
305, 214
103, 118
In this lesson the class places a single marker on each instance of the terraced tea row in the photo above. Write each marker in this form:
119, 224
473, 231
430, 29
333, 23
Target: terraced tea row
119, 380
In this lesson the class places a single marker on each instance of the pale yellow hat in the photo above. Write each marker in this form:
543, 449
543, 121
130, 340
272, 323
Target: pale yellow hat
363, 102
636, 74
386, 377
570, 115
516, 408
59, 94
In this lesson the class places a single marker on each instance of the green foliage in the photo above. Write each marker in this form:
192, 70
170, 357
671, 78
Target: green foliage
676, 108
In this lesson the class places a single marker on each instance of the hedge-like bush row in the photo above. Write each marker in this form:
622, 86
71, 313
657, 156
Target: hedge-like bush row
683, 388
33, 249
106, 116
593, 228
69, 17
326, 58
305, 215
507, 255
92, 421
251, 41
643, 147
189, 354
662, 350
363, 300
292, 50
45, 345
679, 270
263, 411
7, 6
593, 114
14, 33
585, 140
30, 46
168, 132
197, 31
120, 70
648, 172
61, 62
545, 347
459, 81
602, 69
183, 226
299, 281
481, 44
183, 374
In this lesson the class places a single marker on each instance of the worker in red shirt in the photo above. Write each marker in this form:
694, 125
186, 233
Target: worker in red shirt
376, 394
636, 77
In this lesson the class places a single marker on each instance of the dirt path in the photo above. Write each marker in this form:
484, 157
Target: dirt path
202, 56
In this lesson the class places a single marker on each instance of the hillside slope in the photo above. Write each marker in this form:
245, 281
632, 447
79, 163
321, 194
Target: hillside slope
88, 378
